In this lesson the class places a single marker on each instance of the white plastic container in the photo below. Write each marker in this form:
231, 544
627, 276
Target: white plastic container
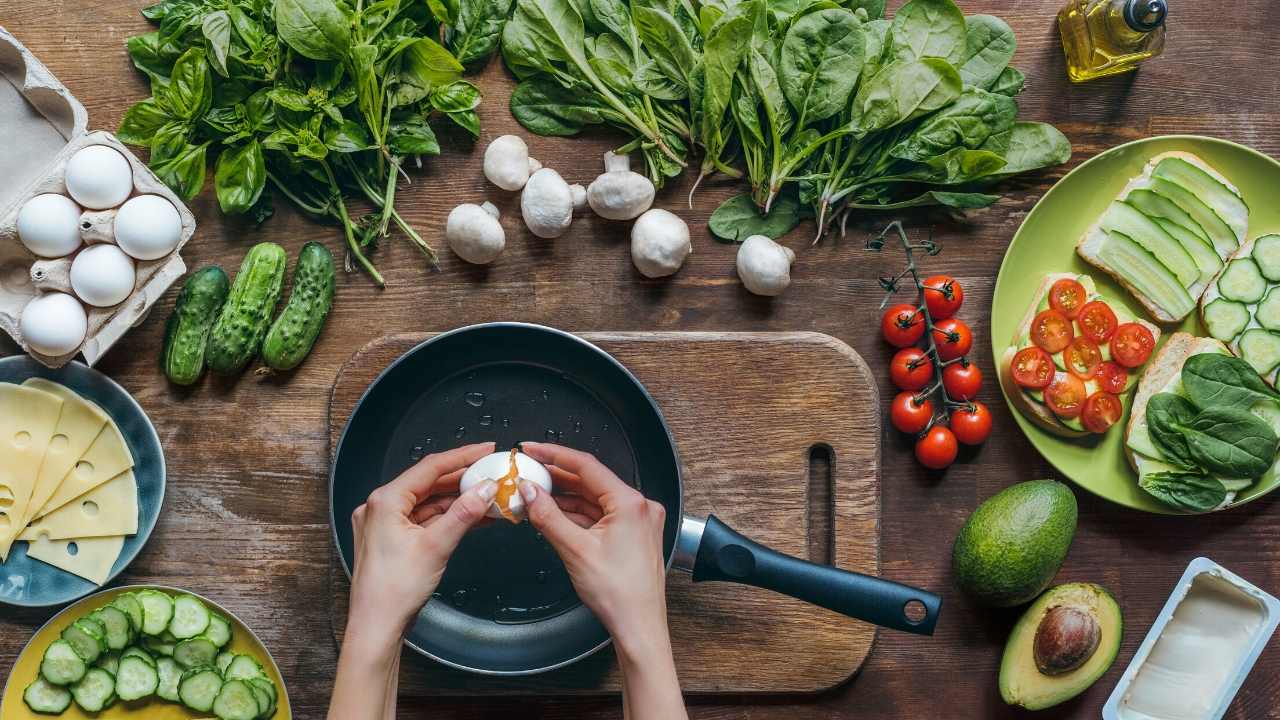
1199, 650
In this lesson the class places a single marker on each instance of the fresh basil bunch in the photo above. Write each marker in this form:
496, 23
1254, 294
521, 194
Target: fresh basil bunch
323, 100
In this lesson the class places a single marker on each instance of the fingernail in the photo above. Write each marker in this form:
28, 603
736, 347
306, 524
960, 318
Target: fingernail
488, 490
528, 491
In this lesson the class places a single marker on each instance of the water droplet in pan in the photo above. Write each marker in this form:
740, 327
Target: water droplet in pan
506, 422
460, 598
546, 394
486, 420
461, 431
550, 435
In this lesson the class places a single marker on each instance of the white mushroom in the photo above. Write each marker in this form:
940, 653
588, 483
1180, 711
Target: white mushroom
507, 163
619, 193
764, 265
474, 233
547, 203
659, 243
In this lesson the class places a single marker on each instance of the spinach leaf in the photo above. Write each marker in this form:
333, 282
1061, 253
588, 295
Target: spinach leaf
1231, 442
615, 16
475, 35
957, 200
876, 47
989, 46
1167, 414
666, 43
723, 52
1031, 146
316, 29
874, 8
1009, 83
239, 177
822, 56
216, 27
968, 122
649, 80
1187, 491
546, 108
903, 91
929, 29
738, 218
1213, 380
190, 90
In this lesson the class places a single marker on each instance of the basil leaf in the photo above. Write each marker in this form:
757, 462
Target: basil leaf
458, 96
1213, 380
316, 29
1188, 491
239, 177
190, 90
182, 169
216, 28
412, 138
289, 99
151, 56
348, 137
424, 66
738, 218
1167, 414
141, 122
1231, 442
467, 120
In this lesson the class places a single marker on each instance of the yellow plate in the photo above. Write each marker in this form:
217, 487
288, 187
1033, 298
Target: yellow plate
243, 641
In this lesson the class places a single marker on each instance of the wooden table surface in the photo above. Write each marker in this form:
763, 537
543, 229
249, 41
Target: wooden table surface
246, 517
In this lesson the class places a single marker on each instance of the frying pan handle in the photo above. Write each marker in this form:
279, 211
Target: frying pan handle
726, 555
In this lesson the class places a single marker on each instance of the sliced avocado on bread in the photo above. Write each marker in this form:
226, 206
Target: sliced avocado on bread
1169, 233
1241, 306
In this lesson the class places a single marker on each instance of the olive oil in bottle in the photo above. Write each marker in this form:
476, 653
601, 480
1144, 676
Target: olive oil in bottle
1109, 37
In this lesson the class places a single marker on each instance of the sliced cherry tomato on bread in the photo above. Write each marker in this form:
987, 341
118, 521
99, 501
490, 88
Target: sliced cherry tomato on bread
902, 325
1097, 321
910, 415
1082, 358
1032, 368
972, 424
943, 296
1067, 296
1051, 331
1065, 396
1131, 345
952, 338
1101, 411
1113, 378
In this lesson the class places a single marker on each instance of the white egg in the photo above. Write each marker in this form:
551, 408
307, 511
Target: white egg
102, 275
148, 227
49, 225
54, 324
498, 466
99, 177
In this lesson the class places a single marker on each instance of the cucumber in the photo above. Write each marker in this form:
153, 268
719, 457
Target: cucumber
223, 661
1261, 349
45, 698
199, 688
157, 611
1268, 311
95, 690
1266, 252
1225, 319
190, 617
61, 664
1141, 270
243, 667
1200, 250
294, 333
237, 334
128, 602
270, 688
1124, 218
261, 697
1225, 201
1224, 238
195, 652
170, 673
1158, 207
219, 630
159, 647
119, 629
86, 637
187, 332
236, 702
136, 679
109, 662
1242, 281
139, 653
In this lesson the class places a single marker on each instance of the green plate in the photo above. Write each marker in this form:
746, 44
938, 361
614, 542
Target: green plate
1046, 244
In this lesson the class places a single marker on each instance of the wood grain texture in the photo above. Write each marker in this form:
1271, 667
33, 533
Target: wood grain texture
246, 519
744, 449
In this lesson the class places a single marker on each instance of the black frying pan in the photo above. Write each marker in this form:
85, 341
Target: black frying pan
505, 605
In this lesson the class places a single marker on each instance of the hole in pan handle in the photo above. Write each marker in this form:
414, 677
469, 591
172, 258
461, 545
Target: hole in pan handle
712, 550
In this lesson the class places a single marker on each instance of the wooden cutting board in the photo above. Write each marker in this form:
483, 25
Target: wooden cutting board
747, 411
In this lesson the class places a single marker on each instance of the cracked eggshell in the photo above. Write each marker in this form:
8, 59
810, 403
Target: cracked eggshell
495, 466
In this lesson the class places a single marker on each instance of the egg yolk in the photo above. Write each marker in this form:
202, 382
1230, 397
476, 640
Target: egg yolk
508, 485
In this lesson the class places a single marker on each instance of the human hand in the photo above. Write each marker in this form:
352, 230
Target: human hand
405, 533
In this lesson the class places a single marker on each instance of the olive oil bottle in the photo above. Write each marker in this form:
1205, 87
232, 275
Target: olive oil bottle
1109, 37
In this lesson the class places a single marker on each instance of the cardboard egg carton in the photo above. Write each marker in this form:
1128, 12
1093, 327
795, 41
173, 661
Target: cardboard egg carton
44, 125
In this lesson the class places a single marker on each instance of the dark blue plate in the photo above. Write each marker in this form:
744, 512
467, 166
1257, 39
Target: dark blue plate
31, 583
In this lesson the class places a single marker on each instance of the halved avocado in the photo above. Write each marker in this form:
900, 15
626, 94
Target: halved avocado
1063, 643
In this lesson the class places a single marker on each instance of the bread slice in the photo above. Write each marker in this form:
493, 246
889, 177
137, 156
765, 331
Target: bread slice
1163, 366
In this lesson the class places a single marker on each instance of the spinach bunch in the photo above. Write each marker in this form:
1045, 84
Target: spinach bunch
323, 100
1213, 432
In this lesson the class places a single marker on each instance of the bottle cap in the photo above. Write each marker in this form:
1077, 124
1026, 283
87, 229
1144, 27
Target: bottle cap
1145, 15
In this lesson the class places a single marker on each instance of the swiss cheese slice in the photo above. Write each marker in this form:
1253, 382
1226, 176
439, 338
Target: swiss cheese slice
27, 421
78, 426
90, 558
109, 509
106, 458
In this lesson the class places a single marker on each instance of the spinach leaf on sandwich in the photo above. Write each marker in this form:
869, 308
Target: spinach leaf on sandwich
1189, 491
1167, 414
1212, 380
1222, 441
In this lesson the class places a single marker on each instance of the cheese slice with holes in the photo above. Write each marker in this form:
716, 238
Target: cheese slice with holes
90, 558
106, 458
27, 421
109, 509
78, 426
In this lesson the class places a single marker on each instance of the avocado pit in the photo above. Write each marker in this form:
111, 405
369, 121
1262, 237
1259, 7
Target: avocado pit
1066, 639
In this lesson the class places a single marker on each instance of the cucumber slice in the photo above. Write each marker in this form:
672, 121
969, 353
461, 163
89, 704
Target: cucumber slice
190, 617
157, 611
109, 662
199, 688
170, 673
45, 698
1124, 218
1141, 270
1159, 207
223, 660
136, 678
1266, 252
236, 702
261, 697
1268, 311
158, 647
1226, 202
1242, 281
86, 638
195, 652
219, 630
1201, 251
119, 630
61, 664
269, 688
1224, 238
94, 690
1225, 319
135, 651
1261, 349
243, 667
128, 602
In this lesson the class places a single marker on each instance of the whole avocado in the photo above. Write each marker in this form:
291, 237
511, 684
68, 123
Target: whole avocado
1011, 547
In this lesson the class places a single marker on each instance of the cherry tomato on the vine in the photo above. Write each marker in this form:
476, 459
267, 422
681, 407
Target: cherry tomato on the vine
911, 416
972, 424
902, 325
1067, 296
1032, 368
937, 449
1113, 378
1051, 331
1097, 321
952, 338
1101, 411
910, 369
943, 296
962, 380
1132, 344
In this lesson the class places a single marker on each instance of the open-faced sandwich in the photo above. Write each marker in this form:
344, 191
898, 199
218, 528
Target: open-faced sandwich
1241, 307
1068, 367
1168, 233
1204, 426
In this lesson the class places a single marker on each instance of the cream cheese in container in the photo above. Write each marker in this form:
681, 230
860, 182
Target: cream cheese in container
1199, 650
